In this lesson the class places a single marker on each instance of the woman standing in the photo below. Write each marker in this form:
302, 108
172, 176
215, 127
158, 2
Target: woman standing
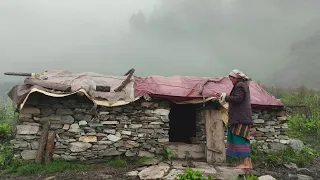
240, 118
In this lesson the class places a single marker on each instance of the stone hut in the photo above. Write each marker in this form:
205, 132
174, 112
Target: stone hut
92, 116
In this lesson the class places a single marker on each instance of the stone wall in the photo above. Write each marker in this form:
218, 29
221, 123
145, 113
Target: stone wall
139, 128
269, 131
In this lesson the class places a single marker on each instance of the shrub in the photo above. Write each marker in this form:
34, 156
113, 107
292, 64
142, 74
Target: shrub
190, 174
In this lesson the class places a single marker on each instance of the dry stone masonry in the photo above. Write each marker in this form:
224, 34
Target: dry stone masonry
137, 129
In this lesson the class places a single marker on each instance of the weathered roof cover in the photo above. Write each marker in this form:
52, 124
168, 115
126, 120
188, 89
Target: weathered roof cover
187, 87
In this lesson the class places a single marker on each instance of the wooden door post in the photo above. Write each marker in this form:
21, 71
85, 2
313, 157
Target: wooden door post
215, 147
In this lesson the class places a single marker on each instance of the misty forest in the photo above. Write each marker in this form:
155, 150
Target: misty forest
275, 42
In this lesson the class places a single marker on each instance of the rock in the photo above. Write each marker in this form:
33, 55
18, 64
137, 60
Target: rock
266, 177
296, 144
34, 145
110, 152
109, 122
304, 171
30, 110
277, 146
66, 126
93, 125
56, 126
64, 111
284, 141
68, 157
291, 166
131, 144
50, 178
132, 174
162, 140
173, 174
150, 161
28, 154
113, 138
258, 121
135, 126
74, 128
27, 129
283, 137
82, 123
47, 112
304, 177
162, 112
129, 153
154, 172
104, 142
126, 133
265, 130
20, 144
145, 154
67, 119
228, 173
283, 118
88, 139
109, 131
293, 177
79, 146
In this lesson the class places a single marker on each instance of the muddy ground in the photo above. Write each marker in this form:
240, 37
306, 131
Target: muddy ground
104, 172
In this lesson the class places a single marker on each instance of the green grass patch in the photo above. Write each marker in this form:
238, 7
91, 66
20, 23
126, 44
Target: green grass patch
117, 162
53, 167
280, 157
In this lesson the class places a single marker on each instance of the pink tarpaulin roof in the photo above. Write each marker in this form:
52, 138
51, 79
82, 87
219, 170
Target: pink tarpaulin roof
188, 87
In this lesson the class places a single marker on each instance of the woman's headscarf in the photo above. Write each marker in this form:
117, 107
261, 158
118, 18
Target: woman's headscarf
239, 75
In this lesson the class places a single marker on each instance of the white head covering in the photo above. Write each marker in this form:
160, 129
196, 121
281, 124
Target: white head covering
239, 75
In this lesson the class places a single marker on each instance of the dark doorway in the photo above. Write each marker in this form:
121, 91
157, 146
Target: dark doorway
182, 121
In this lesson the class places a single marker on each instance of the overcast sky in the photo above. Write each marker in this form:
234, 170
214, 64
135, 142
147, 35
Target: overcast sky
255, 36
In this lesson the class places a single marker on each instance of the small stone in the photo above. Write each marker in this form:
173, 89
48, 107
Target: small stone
258, 121
66, 126
50, 178
113, 138
79, 146
56, 126
67, 119
154, 172
133, 174
104, 113
163, 140
74, 128
145, 154
131, 144
291, 166
34, 145
284, 118
293, 177
104, 142
25, 116
284, 141
109, 122
304, 171
296, 144
126, 133
82, 123
110, 152
68, 157
266, 177
27, 129
95, 124
129, 153
88, 139
304, 177
109, 131
64, 111
28, 154
30, 110
135, 126
265, 130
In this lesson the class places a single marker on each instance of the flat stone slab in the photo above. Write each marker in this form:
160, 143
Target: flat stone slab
154, 172
224, 172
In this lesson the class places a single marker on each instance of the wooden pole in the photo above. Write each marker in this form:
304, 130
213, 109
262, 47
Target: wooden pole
50, 147
42, 142
215, 150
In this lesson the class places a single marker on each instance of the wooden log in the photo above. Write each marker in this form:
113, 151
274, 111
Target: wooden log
50, 146
215, 151
42, 142
103, 88
48, 84
126, 81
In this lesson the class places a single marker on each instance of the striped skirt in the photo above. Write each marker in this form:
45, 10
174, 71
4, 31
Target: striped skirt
238, 141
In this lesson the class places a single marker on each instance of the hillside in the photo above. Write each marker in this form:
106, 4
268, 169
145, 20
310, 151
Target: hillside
303, 69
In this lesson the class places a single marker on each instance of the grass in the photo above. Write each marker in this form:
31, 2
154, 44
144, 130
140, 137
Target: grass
117, 162
53, 167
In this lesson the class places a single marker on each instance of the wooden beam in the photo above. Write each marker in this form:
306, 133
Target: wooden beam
215, 150
42, 142
50, 146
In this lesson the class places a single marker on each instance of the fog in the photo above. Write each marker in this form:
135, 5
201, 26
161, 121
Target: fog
164, 37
